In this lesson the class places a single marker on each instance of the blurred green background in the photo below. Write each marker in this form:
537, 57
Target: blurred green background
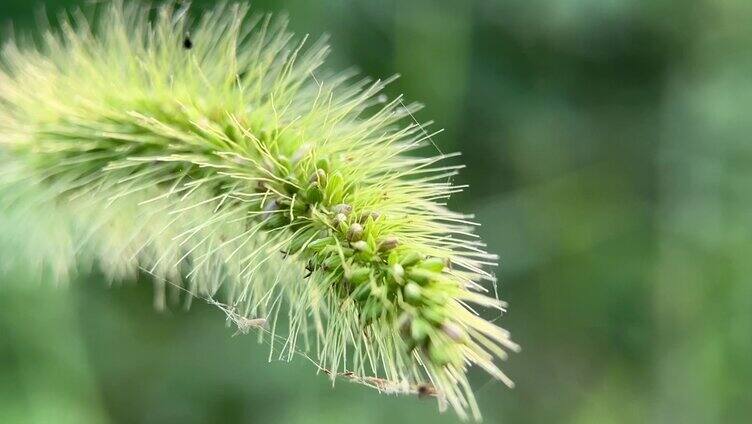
606, 153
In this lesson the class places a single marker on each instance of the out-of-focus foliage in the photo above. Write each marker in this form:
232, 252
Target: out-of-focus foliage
608, 161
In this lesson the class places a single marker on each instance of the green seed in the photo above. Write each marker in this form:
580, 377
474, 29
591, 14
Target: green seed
439, 355
319, 176
359, 276
297, 243
323, 163
332, 262
300, 206
275, 221
419, 330
314, 194
397, 272
360, 246
342, 208
388, 243
339, 219
318, 244
335, 249
433, 315
355, 232
411, 259
420, 276
432, 264
290, 187
412, 292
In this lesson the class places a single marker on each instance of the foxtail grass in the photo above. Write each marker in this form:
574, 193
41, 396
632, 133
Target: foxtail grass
216, 155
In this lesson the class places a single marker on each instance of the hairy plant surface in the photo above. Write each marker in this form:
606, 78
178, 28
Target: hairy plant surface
217, 157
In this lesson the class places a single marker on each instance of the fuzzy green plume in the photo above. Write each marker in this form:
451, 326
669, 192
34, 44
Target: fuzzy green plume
215, 156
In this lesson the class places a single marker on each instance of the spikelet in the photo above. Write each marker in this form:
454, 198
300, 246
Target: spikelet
217, 157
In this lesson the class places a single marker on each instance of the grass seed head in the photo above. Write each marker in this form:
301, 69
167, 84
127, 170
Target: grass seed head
216, 155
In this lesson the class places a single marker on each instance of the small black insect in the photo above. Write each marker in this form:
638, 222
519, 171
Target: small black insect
425, 390
187, 43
